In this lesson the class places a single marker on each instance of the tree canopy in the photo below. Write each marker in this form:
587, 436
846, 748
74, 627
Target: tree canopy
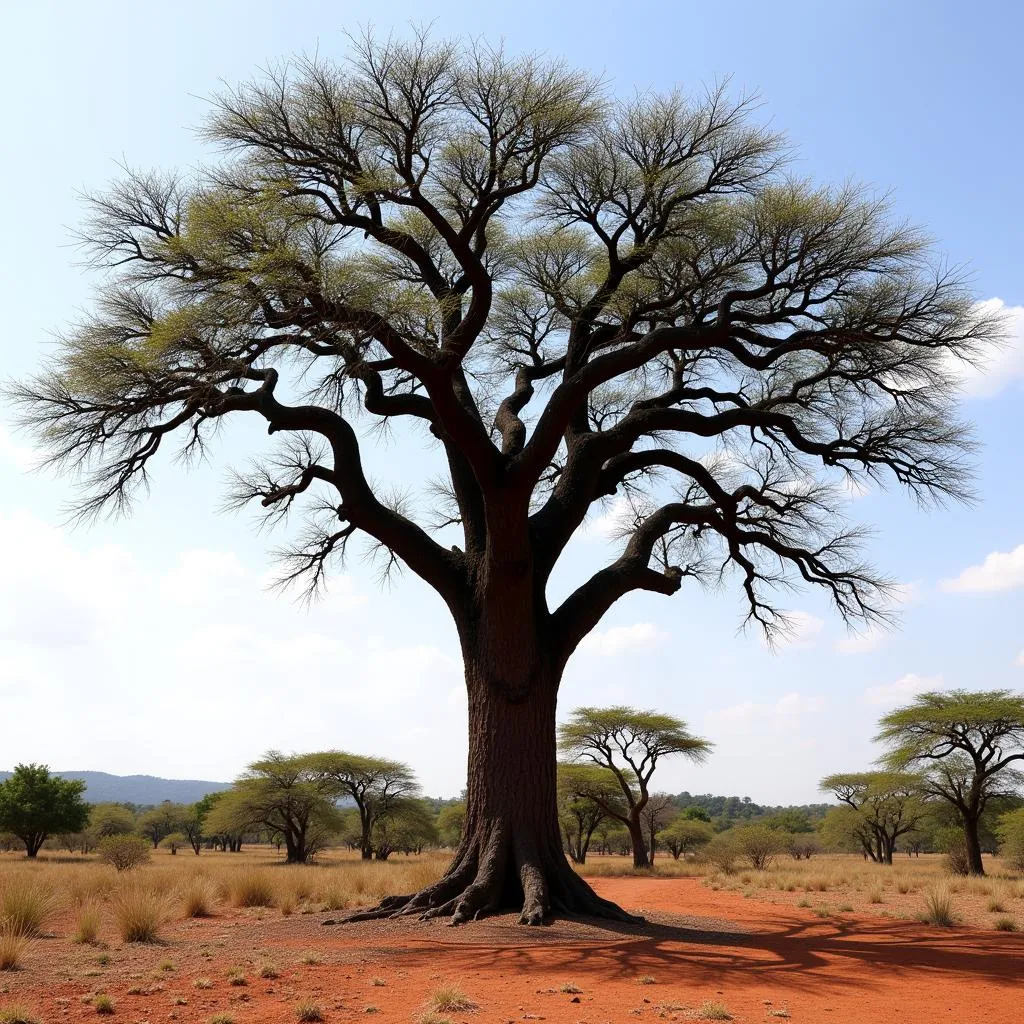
35, 805
575, 298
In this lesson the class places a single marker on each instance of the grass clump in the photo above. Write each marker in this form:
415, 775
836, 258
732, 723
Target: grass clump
140, 913
104, 1005
1005, 924
434, 1018
995, 905
450, 999
237, 978
306, 1011
875, 894
570, 989
198, 898
13, 948
713, 1011
221, 1018
252, 888
25, 908
87, 927
646, 979
938, 907
310, 959
269, 971
202, 983
17, 1014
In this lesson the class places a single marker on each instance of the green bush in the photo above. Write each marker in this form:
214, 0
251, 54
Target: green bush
722, 852
124, 852
759, 844
1010, 831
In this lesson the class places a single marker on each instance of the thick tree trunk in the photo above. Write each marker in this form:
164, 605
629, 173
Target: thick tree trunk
636, 838
973, 840
510, 856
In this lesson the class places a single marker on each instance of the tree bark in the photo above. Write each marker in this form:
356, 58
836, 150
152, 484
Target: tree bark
636, 837
510, 856
973, 841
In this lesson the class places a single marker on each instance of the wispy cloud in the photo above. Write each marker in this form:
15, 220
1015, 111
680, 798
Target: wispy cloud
619, 639
1001, 570
1003, 365
902, 689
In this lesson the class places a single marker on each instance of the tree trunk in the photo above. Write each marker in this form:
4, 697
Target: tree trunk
973, 841
636, 838
510, 855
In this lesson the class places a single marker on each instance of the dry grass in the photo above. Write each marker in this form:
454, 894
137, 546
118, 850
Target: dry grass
938, 907
87, 924
307, 1011
713, 1011
13, 948
24, 909
17, 1014
198, 897
450, 999
140, 913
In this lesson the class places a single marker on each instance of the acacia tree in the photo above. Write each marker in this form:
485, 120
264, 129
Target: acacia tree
655, 816
629, 744
576, 299
375, 784
685, 835
889, 805
966, 743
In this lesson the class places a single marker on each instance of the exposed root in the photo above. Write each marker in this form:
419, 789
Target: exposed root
496, 874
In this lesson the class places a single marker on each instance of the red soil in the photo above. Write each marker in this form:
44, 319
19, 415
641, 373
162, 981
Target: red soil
762, 962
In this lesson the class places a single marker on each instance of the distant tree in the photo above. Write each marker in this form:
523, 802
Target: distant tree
192, 824
227, 819
584, 791
35, 805
374, 783
790, 820
160, 821
406, 826
574, 297
110, 819
287, 795
451, 820
628, 743
801, 845
657, 813
685, 836
889, 803
1011, 839
965, 743
697, 814
173, 841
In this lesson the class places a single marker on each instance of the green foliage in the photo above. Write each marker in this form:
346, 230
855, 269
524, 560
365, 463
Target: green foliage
685, 835
160, 821
124, 852
173, 841
406, 827
35, 805
1011, 839
758, 843
722, 852
110, 819
451, 820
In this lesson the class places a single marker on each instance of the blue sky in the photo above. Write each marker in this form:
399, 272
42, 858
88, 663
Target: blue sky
150, 645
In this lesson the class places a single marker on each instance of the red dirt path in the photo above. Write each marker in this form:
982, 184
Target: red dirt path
699, 945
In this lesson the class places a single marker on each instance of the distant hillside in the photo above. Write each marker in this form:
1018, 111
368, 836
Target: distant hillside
140, 789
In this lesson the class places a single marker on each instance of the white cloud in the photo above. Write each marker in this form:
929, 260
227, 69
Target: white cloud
1019, 660
1004, 365
609, 524
1001, 570
902, 689
619, 639
788, 713
803, 631
20, 456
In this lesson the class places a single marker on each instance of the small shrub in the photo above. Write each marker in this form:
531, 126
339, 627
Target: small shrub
87, 927
759, 844
938, 907
845, 908
378, 982
140, 913
104, 1005
202, 983
646, 979
310, 959
903, 884
25, 908
167, 965
124, 852
721, 852
1005, 924
1011, 839
822, 910
875, 894
13, 948
995, 905
434, 1018
252, 888
221, 1018
570, 989
803, 903
269, 971
309, 1012
449, 999
713, 1011
237, 978
17, 1015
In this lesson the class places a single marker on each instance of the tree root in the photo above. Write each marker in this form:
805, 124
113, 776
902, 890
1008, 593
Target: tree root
495, 873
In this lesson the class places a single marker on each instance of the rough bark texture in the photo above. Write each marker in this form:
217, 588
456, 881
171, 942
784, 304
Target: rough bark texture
973, 842
510, 856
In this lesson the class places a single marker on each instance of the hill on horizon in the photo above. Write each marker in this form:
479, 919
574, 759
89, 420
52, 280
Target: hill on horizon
102, 787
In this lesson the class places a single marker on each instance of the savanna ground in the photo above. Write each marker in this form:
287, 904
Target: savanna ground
831, 939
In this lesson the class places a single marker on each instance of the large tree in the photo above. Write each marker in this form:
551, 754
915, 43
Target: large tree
579, 813
628, 744
889, 805
35, 805
575, 299
966, 743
